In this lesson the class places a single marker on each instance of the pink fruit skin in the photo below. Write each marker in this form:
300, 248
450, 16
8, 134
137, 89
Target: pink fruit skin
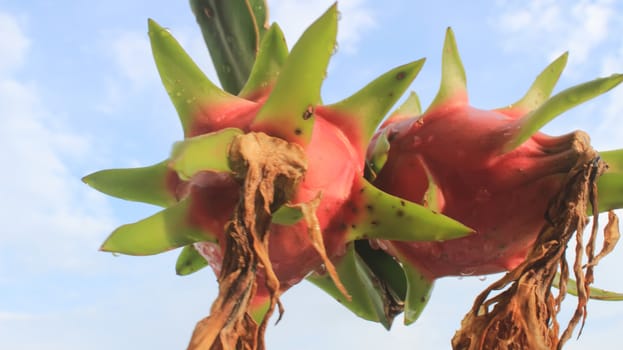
334, 167
502, 196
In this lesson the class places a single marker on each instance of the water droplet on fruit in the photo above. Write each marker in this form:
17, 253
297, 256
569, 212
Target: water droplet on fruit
482, 278
115, 254
467, 272
381, 244
178, 94
336, 47
416, 141
292, 281
482, 195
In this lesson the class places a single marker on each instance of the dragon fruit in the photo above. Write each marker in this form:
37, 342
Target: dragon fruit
489, 169
270, 161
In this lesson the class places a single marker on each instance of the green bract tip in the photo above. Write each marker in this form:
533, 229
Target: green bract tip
146, 184
382, 216
271, 57
163, 231
453, 81
419, 289
360, 114
525, 127
541, 88
187, 86
189, 261
368, 298
208, 152
409, 109
288, 112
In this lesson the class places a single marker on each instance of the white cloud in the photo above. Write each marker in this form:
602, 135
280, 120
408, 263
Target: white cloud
134, 66
16, 316
552, 27
47, 210
13, 43
608, 129
294, 16
586, 28
132, 54
48, 207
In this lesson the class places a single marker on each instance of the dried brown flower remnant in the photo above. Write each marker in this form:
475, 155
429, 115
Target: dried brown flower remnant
523, 314
269, 169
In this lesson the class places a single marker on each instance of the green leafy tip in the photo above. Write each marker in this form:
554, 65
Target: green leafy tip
431, 197
453, 81
288, 112
287, 215
368, 298
208, 152
610, 184
419, 290
185, 83
380, 215
525, 127
409, 109
163, 231
271, 57
378, 156
360, 114
146, 184
595, 293
189, 261
542, 87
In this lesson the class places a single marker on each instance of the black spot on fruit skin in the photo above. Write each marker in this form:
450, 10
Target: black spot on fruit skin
353, 208
308, 112
370, 207
298, 131
401, 75
391, 136
402, 203
400, 213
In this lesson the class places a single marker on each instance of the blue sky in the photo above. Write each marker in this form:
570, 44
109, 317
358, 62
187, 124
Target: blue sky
79, 92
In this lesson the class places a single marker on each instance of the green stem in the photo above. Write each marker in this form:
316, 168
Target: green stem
232, 31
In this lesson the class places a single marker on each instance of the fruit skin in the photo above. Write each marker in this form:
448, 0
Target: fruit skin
214, 197
492, 170
502, 196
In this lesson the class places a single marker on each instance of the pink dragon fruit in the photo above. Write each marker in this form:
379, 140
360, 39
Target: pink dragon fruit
282, 100
489, 169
